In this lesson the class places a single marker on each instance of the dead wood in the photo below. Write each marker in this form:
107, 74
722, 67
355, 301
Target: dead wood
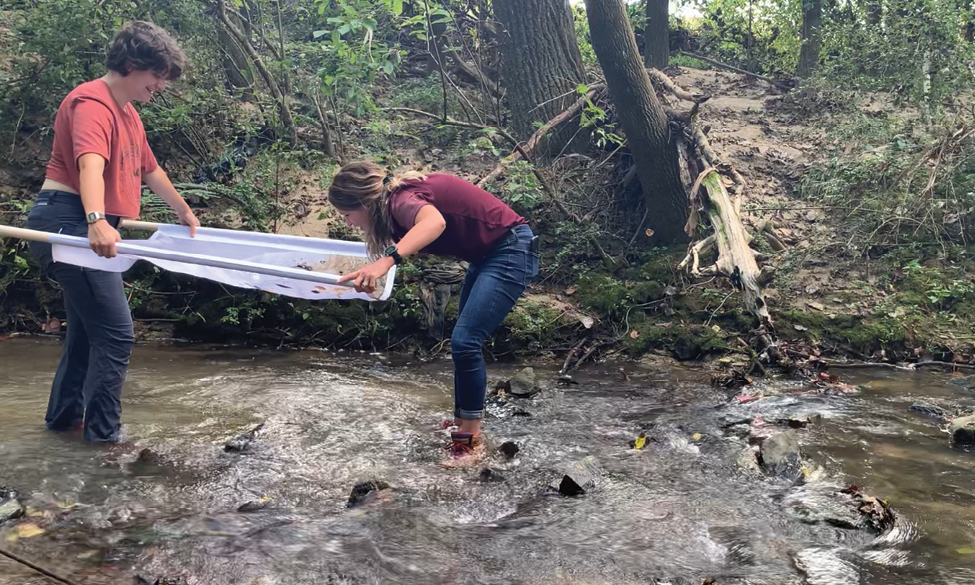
539, 134
735, 259
777, 84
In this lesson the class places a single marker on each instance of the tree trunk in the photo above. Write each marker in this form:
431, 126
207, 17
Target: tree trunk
542, 66
642, 117
657, 35
812, 21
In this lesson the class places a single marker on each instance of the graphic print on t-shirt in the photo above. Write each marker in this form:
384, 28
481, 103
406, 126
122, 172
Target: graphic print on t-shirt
131, 157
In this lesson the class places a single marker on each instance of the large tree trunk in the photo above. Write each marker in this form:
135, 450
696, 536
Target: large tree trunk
812, 22
642, 117
657, 35
542, 66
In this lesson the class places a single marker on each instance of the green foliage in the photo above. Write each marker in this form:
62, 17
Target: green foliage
917, 51
353, 48
522, 189
890, 192
583, 36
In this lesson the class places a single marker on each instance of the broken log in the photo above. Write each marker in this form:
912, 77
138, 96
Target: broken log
679, 92
735, 258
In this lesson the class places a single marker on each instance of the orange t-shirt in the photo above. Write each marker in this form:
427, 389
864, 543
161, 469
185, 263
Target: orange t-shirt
90, 121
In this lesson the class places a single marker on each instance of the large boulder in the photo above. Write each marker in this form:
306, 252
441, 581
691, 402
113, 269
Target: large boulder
580, 477
10, 506
780, 455
962, 430
523, 383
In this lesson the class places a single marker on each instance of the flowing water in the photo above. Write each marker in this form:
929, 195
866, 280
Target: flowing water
678, 511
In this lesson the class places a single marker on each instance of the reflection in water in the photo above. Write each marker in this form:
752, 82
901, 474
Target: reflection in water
680, 510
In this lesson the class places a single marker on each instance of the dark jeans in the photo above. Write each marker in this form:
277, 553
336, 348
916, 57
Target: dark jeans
490, 291
88, 383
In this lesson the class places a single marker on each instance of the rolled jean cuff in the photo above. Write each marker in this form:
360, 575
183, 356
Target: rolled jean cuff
468, 414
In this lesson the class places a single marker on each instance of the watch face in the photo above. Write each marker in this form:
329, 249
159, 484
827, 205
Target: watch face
389, 250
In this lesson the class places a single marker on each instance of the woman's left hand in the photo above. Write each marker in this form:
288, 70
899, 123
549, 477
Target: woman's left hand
366, 278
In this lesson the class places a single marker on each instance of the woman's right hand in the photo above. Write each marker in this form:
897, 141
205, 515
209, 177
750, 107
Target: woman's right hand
102, 238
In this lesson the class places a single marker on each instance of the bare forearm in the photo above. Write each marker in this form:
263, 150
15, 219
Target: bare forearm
421, 236
160, 184
92, 183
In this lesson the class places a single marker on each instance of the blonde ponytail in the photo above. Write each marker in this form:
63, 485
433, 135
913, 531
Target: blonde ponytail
364, 185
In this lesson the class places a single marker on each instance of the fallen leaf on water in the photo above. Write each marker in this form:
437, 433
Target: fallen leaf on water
87, 555
965, 551
29, 530
696, 436
640, 442
649, 233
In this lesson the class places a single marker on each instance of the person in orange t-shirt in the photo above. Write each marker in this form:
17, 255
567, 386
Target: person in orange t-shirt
99, 162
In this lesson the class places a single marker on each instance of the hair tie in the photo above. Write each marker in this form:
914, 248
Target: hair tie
387, 179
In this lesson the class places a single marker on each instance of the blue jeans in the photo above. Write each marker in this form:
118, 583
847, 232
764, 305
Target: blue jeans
490, 291
88, 384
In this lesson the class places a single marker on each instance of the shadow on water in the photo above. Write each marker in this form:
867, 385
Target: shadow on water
680, 510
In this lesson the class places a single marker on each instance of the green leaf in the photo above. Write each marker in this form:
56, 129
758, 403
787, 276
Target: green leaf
582, 89
344, 29
321, 216
319, 33
388, 68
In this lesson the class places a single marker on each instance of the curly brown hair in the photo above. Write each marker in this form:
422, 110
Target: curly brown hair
143, 46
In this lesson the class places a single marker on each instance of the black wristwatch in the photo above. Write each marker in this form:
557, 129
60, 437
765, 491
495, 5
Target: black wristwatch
392, 253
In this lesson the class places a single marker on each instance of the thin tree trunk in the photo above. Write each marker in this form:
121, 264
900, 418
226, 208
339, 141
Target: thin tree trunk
642, 117
812, 22
657, 35
875, 12
542, 65
269, 80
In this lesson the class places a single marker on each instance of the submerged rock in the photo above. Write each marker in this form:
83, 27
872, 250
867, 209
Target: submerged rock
930, 410
968, 382
255, 505
509, 449
962, 430
242, 442
523, 383
780, 455
490, 475
364, 491
580, 477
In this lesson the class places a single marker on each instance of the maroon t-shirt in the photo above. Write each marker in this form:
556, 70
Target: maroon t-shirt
476, 220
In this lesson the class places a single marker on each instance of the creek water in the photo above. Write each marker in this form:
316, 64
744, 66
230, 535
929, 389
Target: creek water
678, 511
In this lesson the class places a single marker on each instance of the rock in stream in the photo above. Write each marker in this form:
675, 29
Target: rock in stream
780, 455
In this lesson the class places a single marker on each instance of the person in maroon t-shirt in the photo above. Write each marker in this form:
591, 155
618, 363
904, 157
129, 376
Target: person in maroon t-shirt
413, 213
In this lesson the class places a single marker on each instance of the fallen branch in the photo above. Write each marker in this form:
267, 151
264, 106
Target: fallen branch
37, 568
679, 92
572, 353
777, 84
944, 365
452, 122
539, 134
773, 240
